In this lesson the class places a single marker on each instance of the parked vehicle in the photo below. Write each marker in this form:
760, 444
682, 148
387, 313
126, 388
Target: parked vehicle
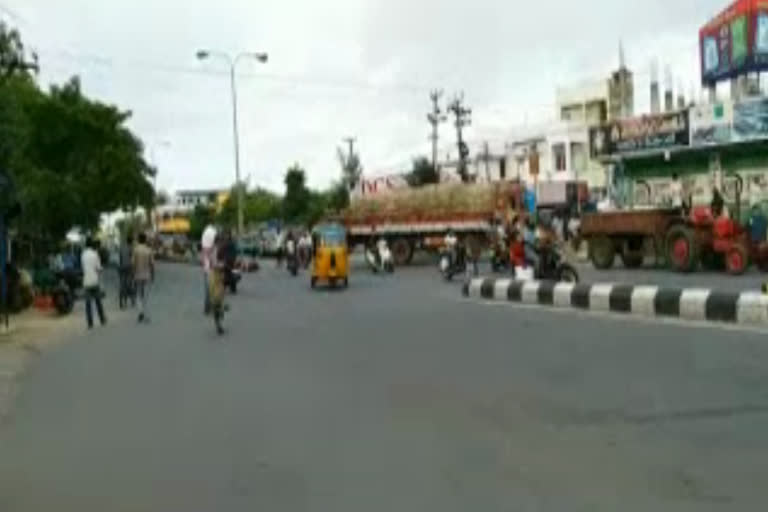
413, 219
683, 242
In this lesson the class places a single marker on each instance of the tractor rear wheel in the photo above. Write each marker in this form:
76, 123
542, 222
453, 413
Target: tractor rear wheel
736, 260
602, 252
682, 249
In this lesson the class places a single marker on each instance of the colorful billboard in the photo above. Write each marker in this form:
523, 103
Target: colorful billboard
735, 41
649, 132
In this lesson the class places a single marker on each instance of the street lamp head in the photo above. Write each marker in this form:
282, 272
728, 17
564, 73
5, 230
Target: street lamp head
261, 57
203, 54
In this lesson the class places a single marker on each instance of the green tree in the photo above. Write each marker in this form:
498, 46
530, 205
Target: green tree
72, 158
262, 205
338, 196
200, 218
297, 195
422, 173
13, 57
162, 198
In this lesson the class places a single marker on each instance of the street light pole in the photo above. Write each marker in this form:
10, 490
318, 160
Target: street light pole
261, 57
236, 135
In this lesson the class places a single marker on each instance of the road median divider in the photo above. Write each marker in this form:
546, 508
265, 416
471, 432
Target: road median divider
697, 304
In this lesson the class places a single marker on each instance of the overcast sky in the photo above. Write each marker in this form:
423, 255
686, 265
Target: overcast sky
342, 67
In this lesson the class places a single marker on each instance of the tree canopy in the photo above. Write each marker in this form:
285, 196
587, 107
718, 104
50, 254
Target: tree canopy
422, 173
72, 157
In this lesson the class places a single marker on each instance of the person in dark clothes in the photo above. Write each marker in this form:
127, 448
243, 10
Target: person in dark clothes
718, 203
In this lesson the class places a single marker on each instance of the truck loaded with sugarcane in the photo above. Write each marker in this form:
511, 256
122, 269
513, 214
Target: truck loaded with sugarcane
413, 219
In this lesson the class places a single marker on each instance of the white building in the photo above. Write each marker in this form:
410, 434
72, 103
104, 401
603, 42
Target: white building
559, 151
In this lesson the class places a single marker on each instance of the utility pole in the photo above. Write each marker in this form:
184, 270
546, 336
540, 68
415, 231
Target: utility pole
486, 157
435, 117
351, 144
462, 118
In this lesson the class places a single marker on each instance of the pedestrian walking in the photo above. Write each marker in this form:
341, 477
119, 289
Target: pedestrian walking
90, 262
143, 274
125, 273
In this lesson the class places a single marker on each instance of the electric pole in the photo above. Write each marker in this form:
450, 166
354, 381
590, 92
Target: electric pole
462, 118
486, 158
351, 144
435, 117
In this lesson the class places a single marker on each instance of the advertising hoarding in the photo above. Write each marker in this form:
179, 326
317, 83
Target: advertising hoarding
726, 122
750, 120
649, 132
712, 124
735, 41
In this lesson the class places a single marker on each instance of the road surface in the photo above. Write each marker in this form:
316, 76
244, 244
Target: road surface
393, 395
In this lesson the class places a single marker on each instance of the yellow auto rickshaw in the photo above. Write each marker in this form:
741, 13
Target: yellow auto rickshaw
330, 262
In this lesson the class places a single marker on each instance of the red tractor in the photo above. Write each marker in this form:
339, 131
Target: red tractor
716, 243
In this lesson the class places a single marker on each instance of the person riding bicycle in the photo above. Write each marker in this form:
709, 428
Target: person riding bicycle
217, 264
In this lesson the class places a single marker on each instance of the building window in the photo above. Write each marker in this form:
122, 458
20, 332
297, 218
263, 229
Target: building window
558, 157
579, 157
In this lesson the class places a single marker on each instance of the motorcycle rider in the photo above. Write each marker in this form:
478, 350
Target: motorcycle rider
381, 248
453, 247
530, 240
290, 250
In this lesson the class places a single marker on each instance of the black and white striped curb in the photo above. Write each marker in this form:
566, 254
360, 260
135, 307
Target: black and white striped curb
647, 301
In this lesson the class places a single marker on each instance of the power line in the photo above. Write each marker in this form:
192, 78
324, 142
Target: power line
309, 80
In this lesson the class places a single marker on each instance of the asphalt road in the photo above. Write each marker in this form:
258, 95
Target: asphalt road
392, 395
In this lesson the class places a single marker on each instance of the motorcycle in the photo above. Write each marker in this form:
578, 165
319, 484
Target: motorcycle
380, 259
291, 260
232, 277
500, 259
553, 267
452, 262
305, 256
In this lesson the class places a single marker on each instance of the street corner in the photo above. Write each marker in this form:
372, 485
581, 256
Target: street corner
748, 308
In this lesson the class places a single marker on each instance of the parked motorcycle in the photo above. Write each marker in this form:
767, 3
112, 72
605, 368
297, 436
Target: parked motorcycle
63, 299
452, 262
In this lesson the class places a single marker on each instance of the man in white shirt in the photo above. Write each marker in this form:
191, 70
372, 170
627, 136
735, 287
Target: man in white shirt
207, 247
91, 263
676, 192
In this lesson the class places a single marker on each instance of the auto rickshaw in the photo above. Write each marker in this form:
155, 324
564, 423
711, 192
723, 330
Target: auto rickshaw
330, 255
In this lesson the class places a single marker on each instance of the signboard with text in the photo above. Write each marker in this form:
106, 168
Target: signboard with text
649, 132
367, 187
712, 124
